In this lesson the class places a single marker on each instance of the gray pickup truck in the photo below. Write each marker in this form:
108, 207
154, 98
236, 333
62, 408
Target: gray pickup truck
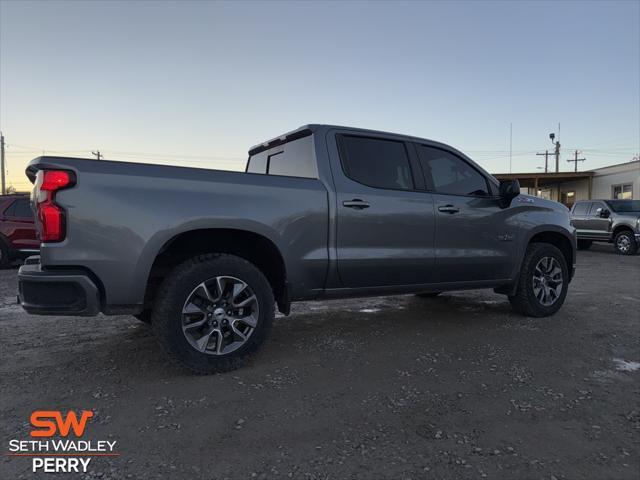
612, 221
320, 212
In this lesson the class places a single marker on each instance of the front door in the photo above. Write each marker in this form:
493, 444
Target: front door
385, 224
475, 240
594, 225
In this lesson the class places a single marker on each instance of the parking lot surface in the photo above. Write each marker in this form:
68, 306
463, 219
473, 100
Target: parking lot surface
382, 388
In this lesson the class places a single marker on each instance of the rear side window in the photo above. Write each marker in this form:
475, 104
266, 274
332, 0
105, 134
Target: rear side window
448, 174
9, 211
258, 163
375, 162
581, 208
19, 208
293, 159
23, 209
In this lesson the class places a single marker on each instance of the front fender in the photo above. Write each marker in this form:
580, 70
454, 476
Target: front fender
537, 220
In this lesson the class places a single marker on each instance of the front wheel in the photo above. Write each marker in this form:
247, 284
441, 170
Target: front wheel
625, 243
543, 281
213, 312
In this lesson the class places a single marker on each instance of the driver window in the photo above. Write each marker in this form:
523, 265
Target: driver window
595, 206
449, 174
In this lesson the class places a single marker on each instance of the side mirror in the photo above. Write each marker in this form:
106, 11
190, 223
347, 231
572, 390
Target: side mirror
603, 212
509, 189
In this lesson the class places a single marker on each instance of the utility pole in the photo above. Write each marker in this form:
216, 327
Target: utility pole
97, 154
4, 186
546, 160
575, 160
552, 136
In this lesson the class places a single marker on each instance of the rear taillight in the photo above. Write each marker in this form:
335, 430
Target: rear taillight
50, 215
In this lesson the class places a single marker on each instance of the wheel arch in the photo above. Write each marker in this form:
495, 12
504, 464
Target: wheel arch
563, 239
620, 228
254, 247
563, 242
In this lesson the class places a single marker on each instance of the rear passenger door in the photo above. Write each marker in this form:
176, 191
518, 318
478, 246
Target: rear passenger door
385, 219
475, 240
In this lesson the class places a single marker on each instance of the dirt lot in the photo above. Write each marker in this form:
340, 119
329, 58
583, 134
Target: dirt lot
394, 387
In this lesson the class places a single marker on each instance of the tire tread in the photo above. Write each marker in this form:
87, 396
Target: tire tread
524, 301
163, 315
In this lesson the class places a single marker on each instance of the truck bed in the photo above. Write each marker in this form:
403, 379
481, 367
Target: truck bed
121, 214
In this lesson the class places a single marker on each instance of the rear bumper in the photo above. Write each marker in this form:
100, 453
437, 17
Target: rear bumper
56, 292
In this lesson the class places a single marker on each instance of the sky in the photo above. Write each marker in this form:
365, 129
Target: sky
197, 83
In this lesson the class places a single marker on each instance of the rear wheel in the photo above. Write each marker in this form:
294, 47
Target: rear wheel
213, 312
584, 244
625, 243
543, 281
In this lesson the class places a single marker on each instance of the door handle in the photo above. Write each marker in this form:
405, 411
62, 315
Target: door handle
356, 203
448, 209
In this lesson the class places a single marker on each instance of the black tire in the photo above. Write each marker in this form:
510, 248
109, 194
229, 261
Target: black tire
5, 255
625, 243
584, 244
166, 319
144, 316
428, 294
525, 300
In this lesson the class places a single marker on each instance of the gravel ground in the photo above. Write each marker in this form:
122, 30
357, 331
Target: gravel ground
386, 388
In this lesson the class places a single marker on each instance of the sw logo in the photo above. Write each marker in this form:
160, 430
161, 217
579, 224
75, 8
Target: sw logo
60, 454
52, 422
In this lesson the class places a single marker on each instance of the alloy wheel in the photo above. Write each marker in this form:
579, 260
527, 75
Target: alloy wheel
623, 244
219, 315
547, 281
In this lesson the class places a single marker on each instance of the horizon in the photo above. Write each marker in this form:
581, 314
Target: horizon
198, 83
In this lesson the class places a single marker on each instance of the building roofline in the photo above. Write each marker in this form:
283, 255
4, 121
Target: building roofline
617, 165
585, 174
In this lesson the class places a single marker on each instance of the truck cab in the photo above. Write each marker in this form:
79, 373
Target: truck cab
610, 221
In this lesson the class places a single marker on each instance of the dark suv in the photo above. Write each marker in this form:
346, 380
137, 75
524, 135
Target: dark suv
612, 221
18, 237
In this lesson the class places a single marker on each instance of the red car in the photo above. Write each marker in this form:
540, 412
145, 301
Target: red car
18, 237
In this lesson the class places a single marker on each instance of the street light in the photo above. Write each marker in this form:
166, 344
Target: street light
552, 136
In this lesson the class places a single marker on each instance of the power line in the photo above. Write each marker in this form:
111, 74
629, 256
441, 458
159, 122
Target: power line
546, 160
575, 160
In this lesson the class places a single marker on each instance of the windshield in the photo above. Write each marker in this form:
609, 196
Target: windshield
624, 206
